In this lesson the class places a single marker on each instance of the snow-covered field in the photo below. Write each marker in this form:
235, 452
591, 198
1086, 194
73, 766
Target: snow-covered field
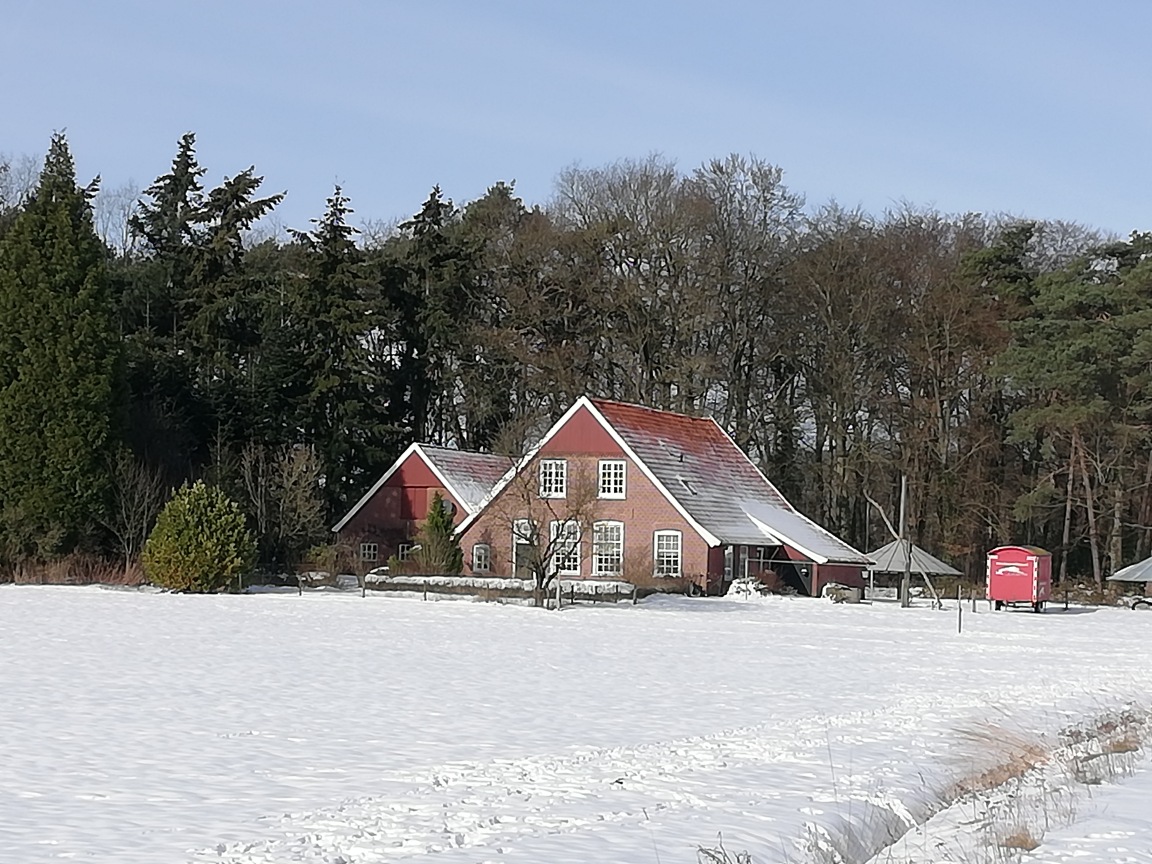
153, 728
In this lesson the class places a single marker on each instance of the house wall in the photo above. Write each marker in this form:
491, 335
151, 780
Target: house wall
393, 514
582, 442
845, 574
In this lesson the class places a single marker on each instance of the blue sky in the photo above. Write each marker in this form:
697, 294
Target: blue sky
1020, 106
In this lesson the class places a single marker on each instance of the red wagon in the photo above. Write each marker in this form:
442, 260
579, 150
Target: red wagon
1019, 575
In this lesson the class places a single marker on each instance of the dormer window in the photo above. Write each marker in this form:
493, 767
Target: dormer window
613, 473
553, 478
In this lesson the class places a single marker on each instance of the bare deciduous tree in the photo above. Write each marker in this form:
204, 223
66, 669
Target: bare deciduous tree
284, 500
138, 495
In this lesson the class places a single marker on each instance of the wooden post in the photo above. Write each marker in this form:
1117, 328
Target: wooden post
906, 581
425, 590
972, 596
633, 595
959, 610
558, 590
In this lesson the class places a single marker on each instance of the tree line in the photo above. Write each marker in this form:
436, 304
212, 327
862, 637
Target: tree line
147, 341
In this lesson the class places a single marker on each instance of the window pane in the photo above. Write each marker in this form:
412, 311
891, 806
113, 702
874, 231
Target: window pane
612, 474
553, 478
481, 558
566, 548
668, 553
608, 543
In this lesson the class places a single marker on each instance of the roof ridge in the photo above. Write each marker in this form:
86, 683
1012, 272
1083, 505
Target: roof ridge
604, 401
423, 444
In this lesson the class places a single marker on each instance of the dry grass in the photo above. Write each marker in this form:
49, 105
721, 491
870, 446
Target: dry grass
719, 855
75, 569
1128, 742
1020, 839
1008, 755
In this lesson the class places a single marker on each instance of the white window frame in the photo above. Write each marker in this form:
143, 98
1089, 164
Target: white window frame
403, 551
612, 478
370, 552
565, 549
553, 475
481, 558
659, 556
605, 563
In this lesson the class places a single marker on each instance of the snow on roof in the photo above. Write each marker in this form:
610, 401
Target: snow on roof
1141, 571
717, 485
892, 558
468, 476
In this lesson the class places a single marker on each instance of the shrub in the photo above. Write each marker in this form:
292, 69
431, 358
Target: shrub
200, 542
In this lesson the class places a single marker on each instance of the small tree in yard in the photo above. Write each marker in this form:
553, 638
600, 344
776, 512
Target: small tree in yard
438, 549
547, 532
200, 542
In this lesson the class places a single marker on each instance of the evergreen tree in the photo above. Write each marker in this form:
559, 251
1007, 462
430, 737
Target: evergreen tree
223, 320
168, 420
434, 311
165, 225
439, 549
200, 542
317, 365
60, 373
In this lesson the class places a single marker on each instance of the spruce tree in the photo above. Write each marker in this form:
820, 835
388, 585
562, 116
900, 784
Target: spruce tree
316, 359
60, 390
439, 549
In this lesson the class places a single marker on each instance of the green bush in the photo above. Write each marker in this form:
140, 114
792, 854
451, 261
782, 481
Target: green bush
437, 547
200, 542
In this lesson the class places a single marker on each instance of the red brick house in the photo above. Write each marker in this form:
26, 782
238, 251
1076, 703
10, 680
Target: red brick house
647, 494
384, 522
614, 490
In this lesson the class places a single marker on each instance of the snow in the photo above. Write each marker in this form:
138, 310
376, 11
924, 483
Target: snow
144, 727
581, 586
1115, 827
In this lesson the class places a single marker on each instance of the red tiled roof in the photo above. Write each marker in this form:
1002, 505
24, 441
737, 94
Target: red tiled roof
716, 483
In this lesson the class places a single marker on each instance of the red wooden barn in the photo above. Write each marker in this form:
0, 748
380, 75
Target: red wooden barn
384, 522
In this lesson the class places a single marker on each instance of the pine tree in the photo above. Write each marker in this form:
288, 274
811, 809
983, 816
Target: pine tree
200, 542
439, 549
435, 309
316, 360
60, 373
164, 223
169, 421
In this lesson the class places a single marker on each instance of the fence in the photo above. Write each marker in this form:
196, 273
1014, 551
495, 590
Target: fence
502, 590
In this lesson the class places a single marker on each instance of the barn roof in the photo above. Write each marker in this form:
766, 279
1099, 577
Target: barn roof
892, 558
715, 484
467, 476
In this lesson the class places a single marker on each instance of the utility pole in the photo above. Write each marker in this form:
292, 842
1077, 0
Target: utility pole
906, 581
